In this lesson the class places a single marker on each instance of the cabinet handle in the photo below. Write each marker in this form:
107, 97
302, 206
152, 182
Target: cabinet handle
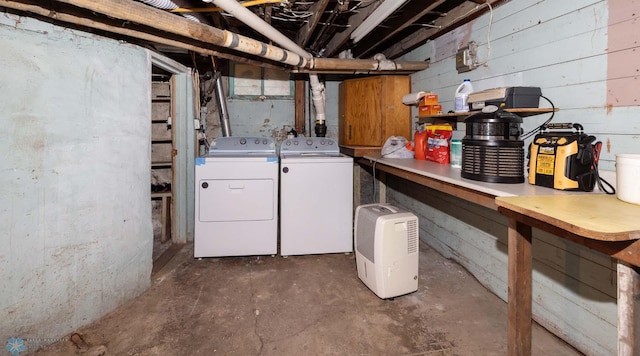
350, 132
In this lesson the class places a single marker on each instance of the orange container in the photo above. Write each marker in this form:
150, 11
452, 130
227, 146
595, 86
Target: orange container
420, 145
429, 99
428, 110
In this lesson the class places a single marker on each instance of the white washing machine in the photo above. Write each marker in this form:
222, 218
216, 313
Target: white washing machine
316, 197
236, 198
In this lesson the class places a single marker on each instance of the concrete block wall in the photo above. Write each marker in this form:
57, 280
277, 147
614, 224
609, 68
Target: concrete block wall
75, 213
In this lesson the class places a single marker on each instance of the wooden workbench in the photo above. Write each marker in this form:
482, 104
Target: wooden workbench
598, 221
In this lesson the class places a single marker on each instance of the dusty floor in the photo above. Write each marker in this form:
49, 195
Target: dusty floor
303, 305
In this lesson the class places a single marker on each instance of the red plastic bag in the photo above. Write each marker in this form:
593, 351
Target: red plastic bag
438, 139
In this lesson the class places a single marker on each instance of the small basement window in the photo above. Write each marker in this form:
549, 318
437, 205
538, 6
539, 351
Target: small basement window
251, 82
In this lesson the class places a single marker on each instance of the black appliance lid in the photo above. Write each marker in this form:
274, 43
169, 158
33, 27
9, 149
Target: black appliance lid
492, 113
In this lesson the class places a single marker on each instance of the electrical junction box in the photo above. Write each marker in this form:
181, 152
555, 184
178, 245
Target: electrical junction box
466, 58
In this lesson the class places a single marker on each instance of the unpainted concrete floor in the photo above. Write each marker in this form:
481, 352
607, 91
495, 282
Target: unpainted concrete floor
302, 305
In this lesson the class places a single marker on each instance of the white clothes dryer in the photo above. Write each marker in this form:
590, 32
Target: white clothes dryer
236, 198
316, 197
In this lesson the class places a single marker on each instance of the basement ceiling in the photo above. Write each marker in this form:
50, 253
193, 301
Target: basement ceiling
324, 28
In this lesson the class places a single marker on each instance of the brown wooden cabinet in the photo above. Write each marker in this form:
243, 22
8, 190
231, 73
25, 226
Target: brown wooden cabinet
371, 109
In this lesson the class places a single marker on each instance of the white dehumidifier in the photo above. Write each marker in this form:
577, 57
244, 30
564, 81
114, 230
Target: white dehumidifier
386, 245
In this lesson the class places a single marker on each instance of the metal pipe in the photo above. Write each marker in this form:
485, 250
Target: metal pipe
248, 17
225, 125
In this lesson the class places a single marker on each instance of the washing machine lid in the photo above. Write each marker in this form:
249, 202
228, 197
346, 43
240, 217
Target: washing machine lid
309, 146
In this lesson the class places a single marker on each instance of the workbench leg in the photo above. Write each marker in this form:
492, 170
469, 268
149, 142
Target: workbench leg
382, 188
519, 292
357, 185
628, 314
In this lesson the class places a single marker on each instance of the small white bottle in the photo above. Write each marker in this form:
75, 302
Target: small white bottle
462, 96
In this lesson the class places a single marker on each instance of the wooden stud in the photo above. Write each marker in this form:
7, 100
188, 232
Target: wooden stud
628, 315
519, 289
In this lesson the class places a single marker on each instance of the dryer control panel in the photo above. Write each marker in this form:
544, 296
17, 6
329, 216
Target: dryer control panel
232, 144
310, 145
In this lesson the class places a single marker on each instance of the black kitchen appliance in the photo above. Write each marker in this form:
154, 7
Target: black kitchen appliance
492, 150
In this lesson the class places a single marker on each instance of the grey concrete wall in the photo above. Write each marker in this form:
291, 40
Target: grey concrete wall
75, 217
272, 117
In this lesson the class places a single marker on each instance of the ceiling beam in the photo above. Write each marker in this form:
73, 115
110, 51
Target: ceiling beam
55, 13
304, 34
410, 13
162, 27
340, 39
456, 17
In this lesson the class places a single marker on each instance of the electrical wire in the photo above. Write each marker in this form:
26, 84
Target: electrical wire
609, 189
374, 179
400, 147
544, 124
488, 36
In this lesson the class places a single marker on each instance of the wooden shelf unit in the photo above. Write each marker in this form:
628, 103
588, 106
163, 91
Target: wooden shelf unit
161, 153
460, 116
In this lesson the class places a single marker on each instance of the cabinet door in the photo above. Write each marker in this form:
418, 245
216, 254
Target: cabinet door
371, 109
396, 117
362, 112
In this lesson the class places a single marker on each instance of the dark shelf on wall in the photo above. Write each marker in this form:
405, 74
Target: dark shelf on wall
460, 116
161, 164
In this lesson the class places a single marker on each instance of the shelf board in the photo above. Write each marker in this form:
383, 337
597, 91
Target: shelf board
523, 112
159, 164
156, 195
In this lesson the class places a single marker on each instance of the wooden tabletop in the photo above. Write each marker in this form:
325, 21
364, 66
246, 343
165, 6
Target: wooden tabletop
596, 216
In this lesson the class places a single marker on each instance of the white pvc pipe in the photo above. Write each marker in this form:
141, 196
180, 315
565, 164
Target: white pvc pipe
248, 17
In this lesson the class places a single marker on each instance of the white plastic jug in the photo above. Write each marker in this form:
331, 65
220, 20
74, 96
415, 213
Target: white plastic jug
462, 96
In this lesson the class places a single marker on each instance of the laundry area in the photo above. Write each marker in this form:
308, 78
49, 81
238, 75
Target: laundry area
327, 177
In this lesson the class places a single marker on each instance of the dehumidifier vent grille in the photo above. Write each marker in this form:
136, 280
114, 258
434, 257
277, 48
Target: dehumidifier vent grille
412, 236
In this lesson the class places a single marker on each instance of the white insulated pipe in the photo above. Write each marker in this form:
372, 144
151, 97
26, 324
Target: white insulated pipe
248, 17
234, 8
247, 45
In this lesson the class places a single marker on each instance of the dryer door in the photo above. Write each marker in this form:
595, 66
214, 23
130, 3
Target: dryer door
236, 199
